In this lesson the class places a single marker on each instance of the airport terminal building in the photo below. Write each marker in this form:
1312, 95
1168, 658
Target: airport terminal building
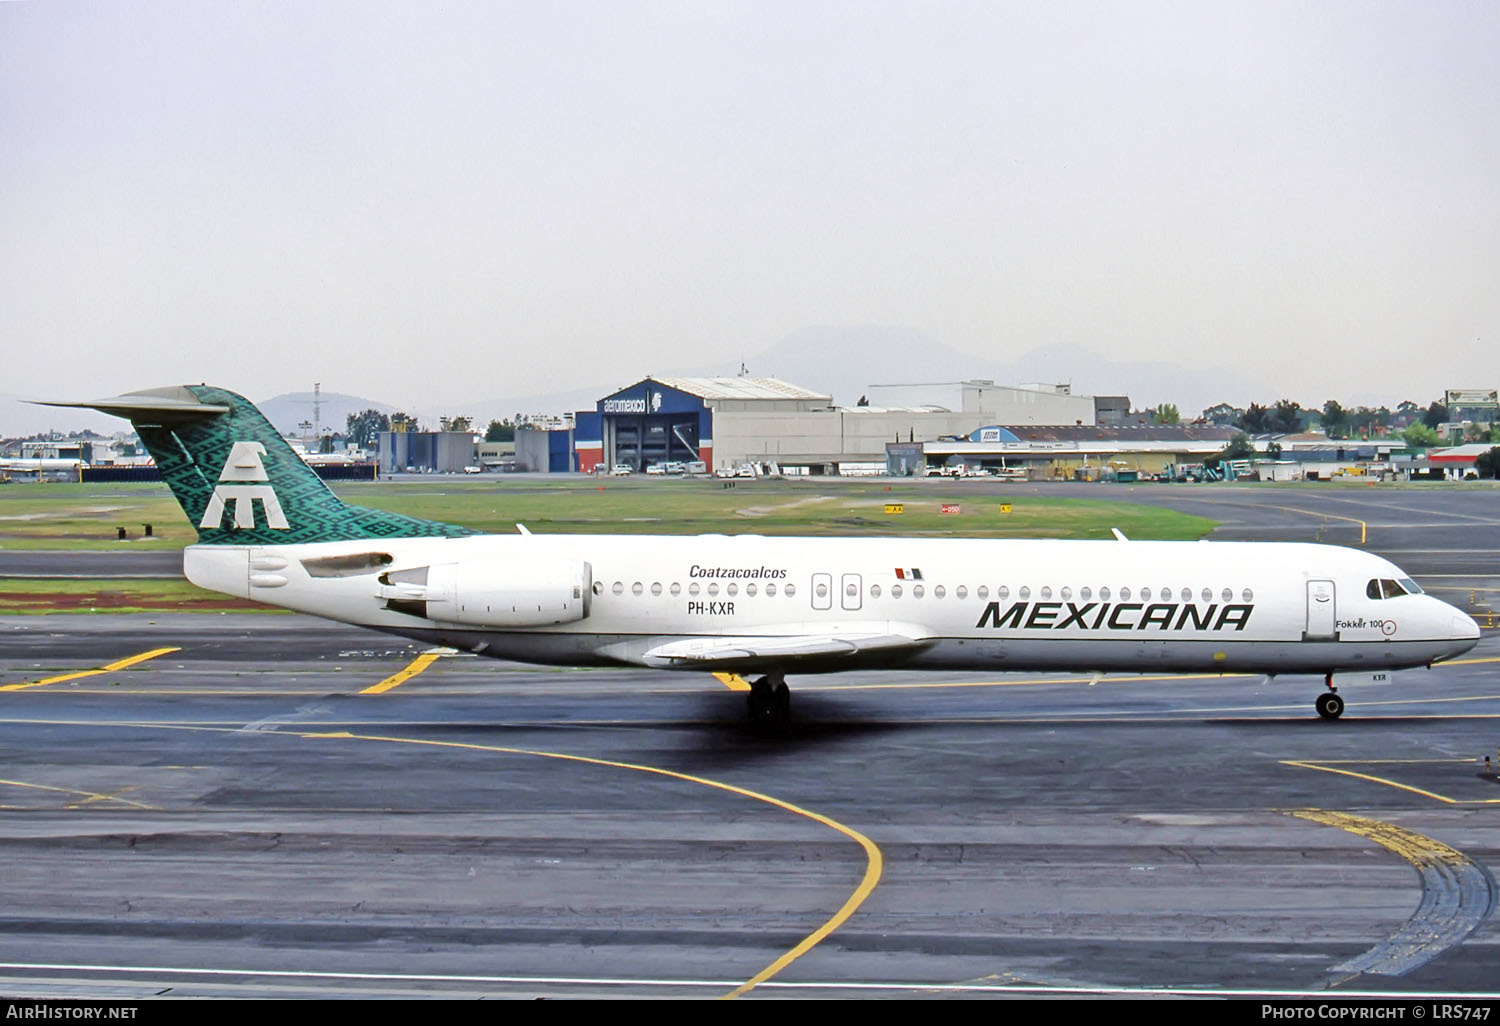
1069, 452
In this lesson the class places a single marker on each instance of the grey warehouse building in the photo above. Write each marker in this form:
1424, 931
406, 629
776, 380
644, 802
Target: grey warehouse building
729, 421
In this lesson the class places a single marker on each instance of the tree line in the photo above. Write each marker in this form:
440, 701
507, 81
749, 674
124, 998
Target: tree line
362, 428
1415, 424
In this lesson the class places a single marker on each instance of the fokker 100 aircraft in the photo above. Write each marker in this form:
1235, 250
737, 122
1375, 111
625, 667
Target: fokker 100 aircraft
270, 530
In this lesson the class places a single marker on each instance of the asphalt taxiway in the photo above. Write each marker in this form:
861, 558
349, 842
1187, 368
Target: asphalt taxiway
265, 804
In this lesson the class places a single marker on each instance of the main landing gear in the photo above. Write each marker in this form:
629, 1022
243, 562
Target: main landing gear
769, 701
1330, 706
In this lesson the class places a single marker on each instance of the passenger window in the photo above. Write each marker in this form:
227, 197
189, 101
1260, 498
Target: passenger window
731, 588
750, 588
938, 591
676, 588
822, 590
656, 587
1227, 595
961, 591
1187, 594
916, 591
1046, 591
618, 588
1104, 594
713, 587
1247, 595
983, 592
895, 591
791, 589
1025, 591
693, 588
636, 589
770, 589
874, 590
1145, 594
1085, 593
1207, 594
1124, 594
1066, 593
598, 587
1002, 593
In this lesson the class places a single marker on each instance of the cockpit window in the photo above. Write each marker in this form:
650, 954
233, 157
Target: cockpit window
1385, 588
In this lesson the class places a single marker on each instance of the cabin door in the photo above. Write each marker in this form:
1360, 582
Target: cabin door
1322, 615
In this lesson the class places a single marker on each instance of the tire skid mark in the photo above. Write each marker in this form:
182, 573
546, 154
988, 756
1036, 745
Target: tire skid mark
1458, 895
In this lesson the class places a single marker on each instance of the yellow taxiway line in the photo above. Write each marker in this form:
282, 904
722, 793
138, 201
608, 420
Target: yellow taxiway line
1364, 529
733, 681
85, 797
874, 862
407, 672
1333, 766
120, 664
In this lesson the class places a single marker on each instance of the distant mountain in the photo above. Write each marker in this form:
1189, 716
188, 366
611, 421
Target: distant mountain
835, 360
1192, 388
287, 411
844, 360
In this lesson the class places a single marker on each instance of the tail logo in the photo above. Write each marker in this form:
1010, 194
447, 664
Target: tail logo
244, 464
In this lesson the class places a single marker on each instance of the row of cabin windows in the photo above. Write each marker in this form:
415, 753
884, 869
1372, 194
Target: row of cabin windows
1067, 594
1003, 593
712, 588
1385, 588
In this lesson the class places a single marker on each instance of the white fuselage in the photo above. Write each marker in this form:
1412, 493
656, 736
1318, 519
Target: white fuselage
943, 603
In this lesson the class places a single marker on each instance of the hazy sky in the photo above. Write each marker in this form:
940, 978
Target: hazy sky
416, 201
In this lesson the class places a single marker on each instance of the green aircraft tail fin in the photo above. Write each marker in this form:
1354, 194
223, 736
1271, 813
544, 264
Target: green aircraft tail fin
239, 481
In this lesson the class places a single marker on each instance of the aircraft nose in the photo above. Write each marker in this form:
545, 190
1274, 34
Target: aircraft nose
1464, 628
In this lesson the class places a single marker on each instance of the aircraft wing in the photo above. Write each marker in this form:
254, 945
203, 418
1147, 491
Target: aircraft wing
781, 650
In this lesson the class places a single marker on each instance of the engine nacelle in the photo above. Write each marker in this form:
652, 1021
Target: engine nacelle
495, 593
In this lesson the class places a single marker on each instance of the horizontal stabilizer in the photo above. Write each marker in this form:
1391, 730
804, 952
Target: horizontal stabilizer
176, 403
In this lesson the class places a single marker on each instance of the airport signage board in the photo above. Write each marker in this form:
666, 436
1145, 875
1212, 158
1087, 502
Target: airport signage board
636, 405
649, 397
1472, 397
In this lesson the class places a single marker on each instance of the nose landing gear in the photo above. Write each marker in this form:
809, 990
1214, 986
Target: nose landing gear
1330, 705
